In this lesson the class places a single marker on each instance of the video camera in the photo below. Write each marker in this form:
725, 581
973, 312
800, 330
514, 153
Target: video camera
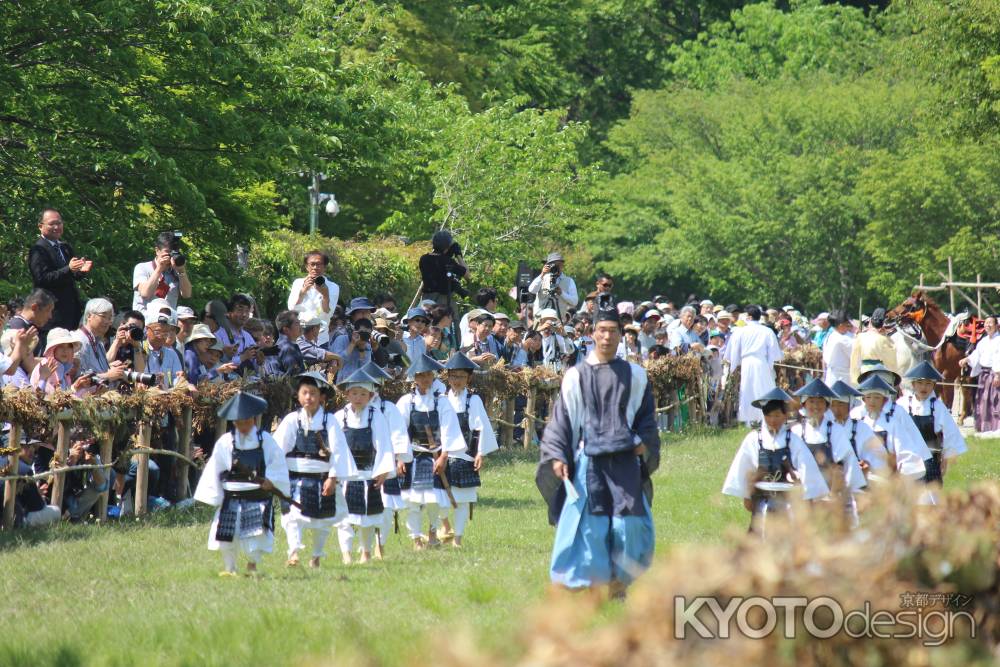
524, 278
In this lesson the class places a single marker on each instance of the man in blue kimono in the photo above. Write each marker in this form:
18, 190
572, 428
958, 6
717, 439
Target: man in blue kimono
597, 455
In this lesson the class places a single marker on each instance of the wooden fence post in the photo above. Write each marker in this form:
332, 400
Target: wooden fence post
184, 446
62, 449
107, 443
10, 488
507, 433
529, 418
142, 470
220, 428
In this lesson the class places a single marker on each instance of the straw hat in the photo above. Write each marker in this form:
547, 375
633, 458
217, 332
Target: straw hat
60, 336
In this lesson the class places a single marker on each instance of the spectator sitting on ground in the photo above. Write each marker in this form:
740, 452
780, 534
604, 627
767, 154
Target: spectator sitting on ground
83, 488
31, 509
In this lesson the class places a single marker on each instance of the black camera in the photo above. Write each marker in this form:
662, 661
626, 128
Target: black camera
554, 269
454, 250
365, 335
380, 338
136, 333
148, 379
175, 249
319, 281
272, 351
605, 301
92, 375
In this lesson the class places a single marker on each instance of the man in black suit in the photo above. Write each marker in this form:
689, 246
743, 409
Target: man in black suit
54, 267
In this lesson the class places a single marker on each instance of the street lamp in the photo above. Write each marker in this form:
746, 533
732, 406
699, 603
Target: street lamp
316, 198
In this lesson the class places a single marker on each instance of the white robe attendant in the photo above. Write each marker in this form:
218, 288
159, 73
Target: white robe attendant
840, 444
754, 349
739, 481
868, 445
478, 421
952, 443
450, 435
210, 491
340, 466
902, 438
385, 460
837, 357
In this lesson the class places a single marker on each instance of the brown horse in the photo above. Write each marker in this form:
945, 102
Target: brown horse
920, 318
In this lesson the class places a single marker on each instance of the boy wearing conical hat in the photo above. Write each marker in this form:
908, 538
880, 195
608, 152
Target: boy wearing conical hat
933, 419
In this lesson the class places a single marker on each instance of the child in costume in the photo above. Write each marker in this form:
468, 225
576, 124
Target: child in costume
245, 469
318, 458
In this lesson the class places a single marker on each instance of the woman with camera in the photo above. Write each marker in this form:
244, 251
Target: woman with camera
126, 346
315, 296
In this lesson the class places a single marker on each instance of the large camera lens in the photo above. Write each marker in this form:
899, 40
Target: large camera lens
148, 379
319, 281
379, 337
178, 257
136, 333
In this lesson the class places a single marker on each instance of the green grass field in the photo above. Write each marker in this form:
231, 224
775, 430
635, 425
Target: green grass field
145, 593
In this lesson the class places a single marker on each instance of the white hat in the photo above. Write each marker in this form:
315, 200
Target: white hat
652, 313
307, 321
707, 302
501, 316
386, 314
200, 332
60, 336
788, 308
546, 314
157, 305
427, 304
724, 315
157, 316
185, 313
822, 316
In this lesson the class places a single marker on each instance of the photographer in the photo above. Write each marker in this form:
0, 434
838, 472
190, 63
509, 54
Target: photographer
163, 278
126, 347
315, 296
359, 351
83, 488
239, 345
97, 317
162, 360
554, 289
442, 270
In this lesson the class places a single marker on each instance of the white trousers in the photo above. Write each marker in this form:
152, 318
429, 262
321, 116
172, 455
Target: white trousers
462, 513
229, 550
346, 532
294, 530
414, 519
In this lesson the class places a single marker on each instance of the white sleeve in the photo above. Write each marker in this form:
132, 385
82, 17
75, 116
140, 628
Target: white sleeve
479, 420
342, 464
277, 469
140, 274
813, 483
399, 432
451, 431
742, 469
854, 476
284, 435
909, 446
293, 296
385, 460
536, 284
209, 489
952, 441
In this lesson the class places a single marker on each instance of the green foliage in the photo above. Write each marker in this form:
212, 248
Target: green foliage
360, 268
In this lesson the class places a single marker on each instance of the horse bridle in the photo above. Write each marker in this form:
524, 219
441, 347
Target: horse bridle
910, 320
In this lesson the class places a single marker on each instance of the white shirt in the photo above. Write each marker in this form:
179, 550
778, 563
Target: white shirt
902, 438
986, 355
450, 430
868, 446
312, 305
753, 340
210, 491
952, 442
141, 273
840, 445
837, 355
341, 463
478, 421
744, 466
567, 298
385, 461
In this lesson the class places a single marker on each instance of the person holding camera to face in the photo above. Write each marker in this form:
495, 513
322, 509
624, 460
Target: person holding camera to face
315, 296
443, 270
553, 288
97, 317
163, 278
126, 347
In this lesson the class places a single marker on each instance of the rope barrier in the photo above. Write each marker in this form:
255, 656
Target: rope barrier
100, 466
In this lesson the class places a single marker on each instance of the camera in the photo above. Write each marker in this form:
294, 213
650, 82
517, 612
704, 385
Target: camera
554, 270
92, 375
605, 301
380, 338
136, 333
175, 249
135, 377
454, 250
365, 335
319, 281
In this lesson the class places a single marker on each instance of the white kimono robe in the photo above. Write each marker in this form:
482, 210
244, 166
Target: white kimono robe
385, 460
210, 491
952, 442
340, 466
450, 435
869, 446
902, 440
739, 481
837, 357
840, 443
478, 421
754, 349
401, 446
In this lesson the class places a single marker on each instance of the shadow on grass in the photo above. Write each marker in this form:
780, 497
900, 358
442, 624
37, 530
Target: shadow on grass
66, 532
60, 656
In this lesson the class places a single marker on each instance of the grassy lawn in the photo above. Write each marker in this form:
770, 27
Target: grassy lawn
142, 593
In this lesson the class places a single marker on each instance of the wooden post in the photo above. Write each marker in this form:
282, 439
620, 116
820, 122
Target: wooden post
921, 281
979, 296
10, 487
184, 447
951, 289
107, 443
529, 429
220, 428
62, 449
142, 470
507, 432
